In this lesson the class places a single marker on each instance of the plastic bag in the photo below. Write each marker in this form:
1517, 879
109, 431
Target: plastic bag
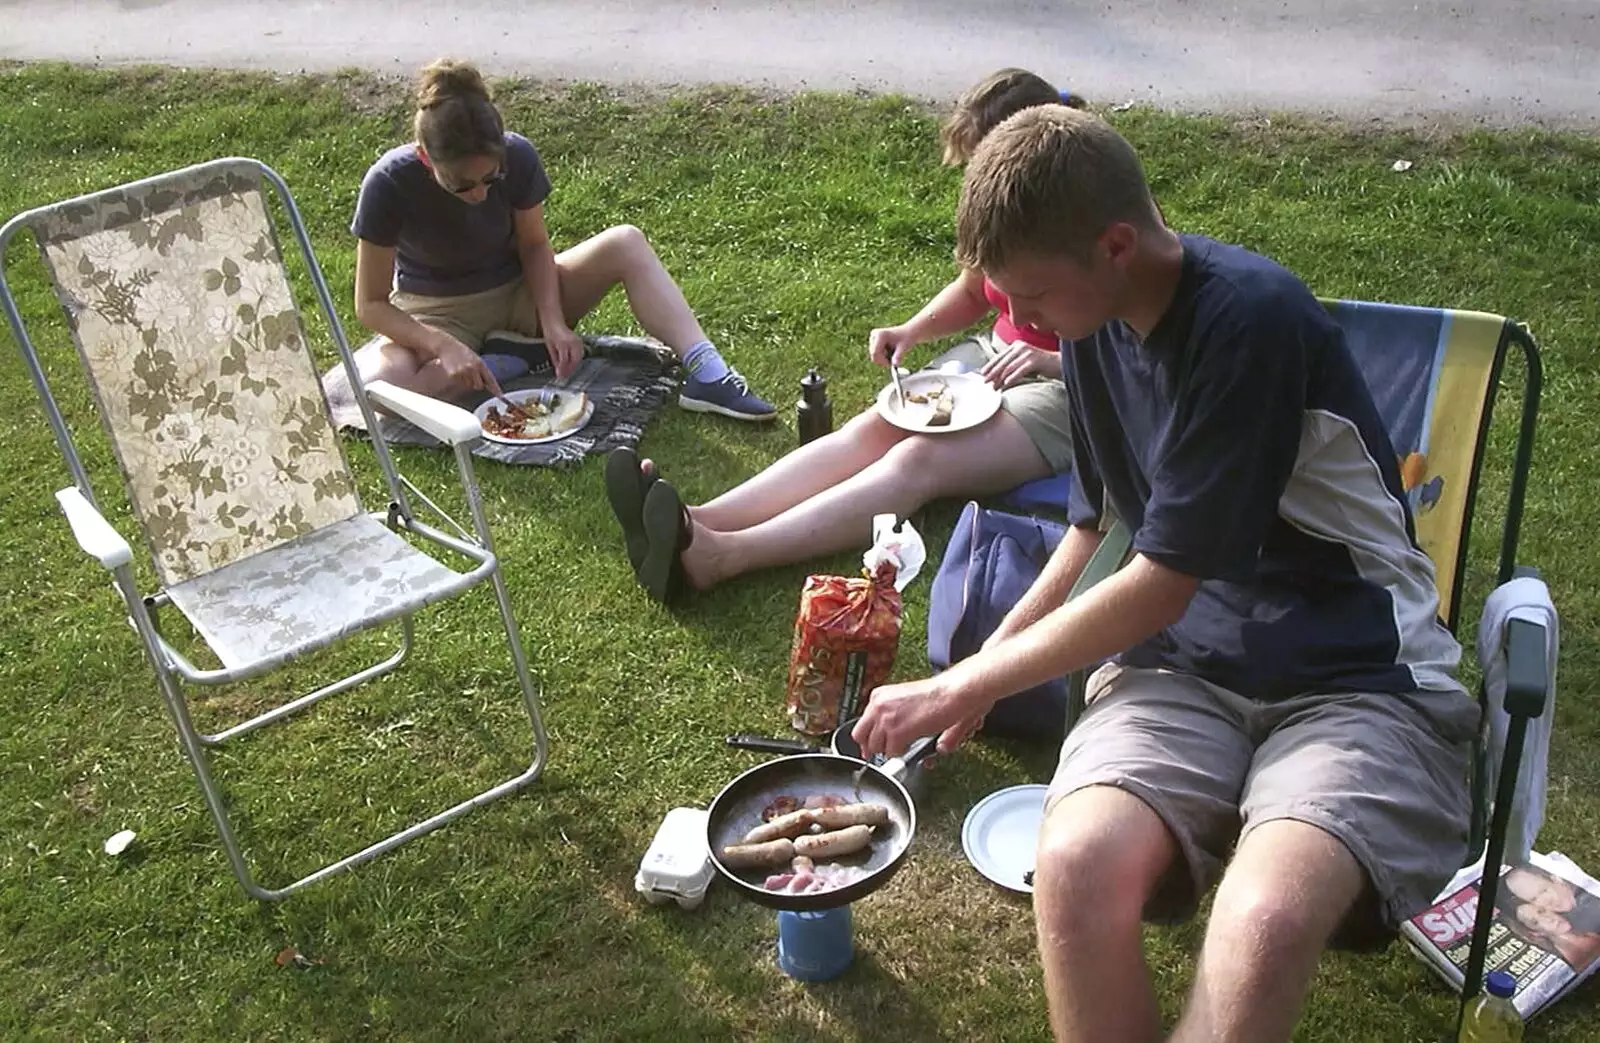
847, 632
901, 545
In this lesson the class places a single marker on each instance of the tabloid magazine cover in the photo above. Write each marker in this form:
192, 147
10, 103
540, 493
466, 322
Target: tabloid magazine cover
1545, 933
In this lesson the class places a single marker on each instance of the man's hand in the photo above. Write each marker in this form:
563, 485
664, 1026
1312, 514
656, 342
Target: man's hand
566, 349
462, 366
899, 714
1019, 362
887, 345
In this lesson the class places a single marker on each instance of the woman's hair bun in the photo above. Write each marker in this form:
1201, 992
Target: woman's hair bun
447, 79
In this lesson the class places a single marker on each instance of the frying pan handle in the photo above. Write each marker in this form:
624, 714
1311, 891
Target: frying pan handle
920, 750
763, 744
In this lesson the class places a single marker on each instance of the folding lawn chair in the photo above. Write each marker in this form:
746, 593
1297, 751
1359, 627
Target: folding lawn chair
177, 297
1435, 374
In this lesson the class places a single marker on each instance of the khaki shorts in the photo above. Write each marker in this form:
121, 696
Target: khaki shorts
1039, 405
1385, 774
470, 316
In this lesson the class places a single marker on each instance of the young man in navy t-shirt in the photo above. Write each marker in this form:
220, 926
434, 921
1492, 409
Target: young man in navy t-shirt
1279, 686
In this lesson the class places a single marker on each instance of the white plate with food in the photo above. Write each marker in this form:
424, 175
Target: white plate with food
546, 415
1001, 835
938, 403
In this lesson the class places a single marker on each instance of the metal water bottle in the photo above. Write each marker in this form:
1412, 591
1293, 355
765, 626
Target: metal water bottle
813, 414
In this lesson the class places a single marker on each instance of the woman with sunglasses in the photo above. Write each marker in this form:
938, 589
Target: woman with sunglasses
453, 261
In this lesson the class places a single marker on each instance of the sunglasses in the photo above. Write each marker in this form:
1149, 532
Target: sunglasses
493, 179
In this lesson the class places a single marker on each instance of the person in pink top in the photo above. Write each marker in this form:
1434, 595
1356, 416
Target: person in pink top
820, 498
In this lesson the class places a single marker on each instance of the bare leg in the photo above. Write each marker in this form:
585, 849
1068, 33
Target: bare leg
988, 459
388, 361
1102, 851
1286, 890
801, 474
622, 255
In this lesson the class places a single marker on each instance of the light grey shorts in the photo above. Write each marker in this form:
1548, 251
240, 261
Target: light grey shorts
1385, 774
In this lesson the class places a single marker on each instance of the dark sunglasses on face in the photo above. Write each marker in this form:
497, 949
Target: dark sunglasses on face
493, 179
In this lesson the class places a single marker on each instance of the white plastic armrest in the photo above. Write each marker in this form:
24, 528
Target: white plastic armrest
95, 535
450, 424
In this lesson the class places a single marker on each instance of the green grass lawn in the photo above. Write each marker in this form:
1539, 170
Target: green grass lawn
794, 225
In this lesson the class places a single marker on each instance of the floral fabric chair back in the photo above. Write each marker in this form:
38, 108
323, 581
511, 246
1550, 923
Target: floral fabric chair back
181, 310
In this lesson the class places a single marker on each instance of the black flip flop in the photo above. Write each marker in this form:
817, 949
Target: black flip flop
668, 530
626, 487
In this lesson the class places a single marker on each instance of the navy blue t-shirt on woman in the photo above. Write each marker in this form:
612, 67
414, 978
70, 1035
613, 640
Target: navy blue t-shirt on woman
1240, 444
444, 245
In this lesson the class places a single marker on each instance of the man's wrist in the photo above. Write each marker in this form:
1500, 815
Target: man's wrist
960, 687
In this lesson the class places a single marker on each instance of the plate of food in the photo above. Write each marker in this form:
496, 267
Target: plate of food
937, 403
535, 415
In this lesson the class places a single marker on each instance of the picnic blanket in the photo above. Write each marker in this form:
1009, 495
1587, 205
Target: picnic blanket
629, 379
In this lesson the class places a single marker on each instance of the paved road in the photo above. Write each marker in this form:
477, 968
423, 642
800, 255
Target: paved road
1498, 62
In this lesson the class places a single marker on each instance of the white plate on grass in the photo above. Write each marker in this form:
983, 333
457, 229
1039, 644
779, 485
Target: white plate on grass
1001, 835
525, 396
975, 400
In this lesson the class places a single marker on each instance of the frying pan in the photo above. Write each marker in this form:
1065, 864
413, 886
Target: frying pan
841, 742
737, 810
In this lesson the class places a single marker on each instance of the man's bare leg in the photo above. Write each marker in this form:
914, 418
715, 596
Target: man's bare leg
996, 456
1288, 887
1102, 851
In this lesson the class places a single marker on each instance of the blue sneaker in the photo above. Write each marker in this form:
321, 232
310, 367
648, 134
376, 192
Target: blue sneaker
505, 368
729, 396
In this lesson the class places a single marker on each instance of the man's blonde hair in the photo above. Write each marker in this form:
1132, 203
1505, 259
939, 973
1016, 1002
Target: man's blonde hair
1048, 181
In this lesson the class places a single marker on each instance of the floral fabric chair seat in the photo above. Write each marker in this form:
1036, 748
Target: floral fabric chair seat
307, 593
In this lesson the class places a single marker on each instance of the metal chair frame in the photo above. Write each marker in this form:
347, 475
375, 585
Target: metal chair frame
172, 668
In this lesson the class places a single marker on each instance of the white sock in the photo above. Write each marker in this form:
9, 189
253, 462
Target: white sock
704, 364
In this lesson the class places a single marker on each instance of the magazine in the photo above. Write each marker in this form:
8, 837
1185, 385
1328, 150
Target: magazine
1545, 932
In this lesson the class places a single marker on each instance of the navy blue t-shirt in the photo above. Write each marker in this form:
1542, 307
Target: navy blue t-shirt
1240, 444
444, 245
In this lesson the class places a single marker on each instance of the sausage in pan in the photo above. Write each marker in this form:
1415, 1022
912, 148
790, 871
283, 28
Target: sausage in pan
851, 815
836, 844
748, 856
790, 825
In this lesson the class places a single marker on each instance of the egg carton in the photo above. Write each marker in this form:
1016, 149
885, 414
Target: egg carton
677, 865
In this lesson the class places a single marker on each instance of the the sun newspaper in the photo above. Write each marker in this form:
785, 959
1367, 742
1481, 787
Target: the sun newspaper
1545, 932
